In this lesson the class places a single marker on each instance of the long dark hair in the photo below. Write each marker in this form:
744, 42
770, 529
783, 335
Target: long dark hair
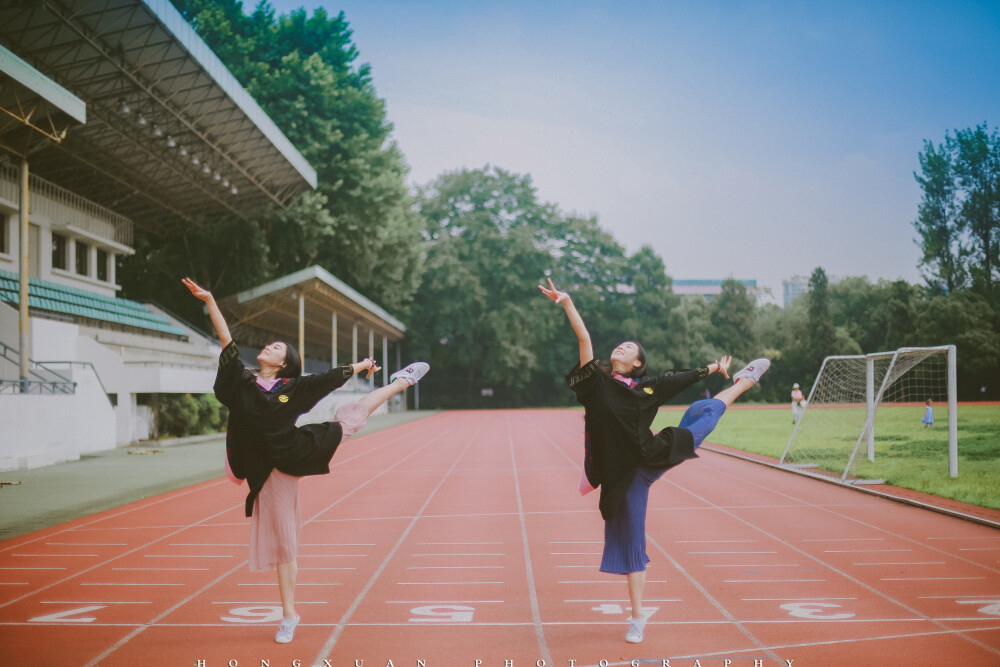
293, 363
637, 372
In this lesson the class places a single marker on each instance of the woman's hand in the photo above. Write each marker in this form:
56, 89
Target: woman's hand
196, 289
554, 294
367, 365
723, 365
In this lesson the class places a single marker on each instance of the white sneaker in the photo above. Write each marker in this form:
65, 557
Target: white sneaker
636, 627
287, 629
753, 370
411, 373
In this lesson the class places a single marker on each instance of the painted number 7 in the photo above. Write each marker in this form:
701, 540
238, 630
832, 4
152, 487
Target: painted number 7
814, 610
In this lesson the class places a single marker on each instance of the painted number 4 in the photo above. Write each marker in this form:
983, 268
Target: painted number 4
992, 606
815, 610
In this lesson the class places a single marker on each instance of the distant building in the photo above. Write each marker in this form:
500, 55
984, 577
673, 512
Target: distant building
708, 289
793, 287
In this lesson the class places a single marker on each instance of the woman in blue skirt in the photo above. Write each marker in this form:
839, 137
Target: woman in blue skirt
622, 455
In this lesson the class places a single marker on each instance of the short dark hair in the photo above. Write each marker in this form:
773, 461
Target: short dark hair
293, 363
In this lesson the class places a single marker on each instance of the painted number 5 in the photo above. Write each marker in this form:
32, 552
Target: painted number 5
814, 610
442, 614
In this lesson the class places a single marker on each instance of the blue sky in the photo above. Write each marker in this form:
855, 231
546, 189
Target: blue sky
756, 140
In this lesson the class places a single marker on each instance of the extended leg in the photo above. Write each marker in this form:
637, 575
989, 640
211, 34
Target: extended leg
636, 585
287, 573
373, 399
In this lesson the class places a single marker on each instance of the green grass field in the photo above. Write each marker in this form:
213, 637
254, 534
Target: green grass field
906, 454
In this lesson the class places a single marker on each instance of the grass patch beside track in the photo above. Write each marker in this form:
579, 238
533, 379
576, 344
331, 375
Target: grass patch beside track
910, 457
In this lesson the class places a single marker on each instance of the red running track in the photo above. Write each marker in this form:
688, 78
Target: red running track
461, 538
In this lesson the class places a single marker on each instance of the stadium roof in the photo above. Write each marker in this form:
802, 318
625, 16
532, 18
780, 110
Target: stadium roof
171, 139
255, 315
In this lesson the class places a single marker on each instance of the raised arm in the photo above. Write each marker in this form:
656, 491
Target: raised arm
218, 320
582, 335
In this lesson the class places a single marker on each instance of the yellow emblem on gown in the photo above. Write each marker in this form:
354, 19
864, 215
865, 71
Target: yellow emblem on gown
648, 390
283, 398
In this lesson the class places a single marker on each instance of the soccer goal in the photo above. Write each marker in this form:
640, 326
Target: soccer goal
872, 405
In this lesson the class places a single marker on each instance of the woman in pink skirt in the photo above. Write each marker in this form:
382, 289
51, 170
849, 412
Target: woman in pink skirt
267, 449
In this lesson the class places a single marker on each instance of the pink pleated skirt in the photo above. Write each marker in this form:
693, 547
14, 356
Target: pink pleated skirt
274, 526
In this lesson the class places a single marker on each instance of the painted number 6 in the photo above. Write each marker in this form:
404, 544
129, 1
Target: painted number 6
814, 610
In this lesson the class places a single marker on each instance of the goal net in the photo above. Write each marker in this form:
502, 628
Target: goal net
867, 415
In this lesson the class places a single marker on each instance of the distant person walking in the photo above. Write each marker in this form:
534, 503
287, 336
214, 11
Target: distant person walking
622, 455
798, 403
928, 418
267, 449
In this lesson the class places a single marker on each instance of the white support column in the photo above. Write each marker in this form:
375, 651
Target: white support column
870, 401
371, 353
302, 330
354, 350
385, 361
333, 340
952, 414
24, 349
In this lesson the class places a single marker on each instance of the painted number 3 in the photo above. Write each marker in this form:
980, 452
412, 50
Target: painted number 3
814, 610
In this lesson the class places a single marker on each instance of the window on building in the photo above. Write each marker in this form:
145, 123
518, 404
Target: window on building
102, 265
82, 258
4, 243
60, 246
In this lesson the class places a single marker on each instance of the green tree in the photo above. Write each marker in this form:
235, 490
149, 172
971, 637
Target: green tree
733, 315
302, 70
937, 222
822, 331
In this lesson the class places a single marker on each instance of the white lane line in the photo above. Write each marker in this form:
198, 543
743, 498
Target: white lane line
576, 566
770, 581
450, 555
334, 544
759, 565
333, 555
576, 553
55, 555
269, 602
86, 544
34, 568
327, 568
455, 567
799, 599
741, 553
188, 556
711, 541
436, 544
162, 569
843, 573
125, 584
864, 551
297, 584
968, 538
955, 597
939, 562
448, 583
536, 614
931, 578
13, 583
444, 602
625, 601
82, 602
846, 539
611, 581
327, 649
575, 542
205, 544
978, 548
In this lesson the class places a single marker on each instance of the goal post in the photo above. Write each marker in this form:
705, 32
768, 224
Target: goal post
859, 404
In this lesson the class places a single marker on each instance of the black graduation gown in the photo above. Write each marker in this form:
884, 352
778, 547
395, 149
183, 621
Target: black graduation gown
261, 434
618, 418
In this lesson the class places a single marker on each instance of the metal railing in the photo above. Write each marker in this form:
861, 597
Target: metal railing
40, 380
